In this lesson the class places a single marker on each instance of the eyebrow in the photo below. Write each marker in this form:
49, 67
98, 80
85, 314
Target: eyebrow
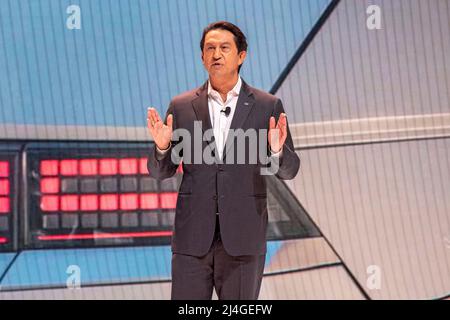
212, 43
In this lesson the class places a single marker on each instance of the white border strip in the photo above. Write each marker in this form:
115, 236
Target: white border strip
365, 130
305, 135
76, 133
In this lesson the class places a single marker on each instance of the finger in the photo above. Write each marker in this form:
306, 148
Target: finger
158, 118
153, 117
151, 114
282, 124
151, 129
169, 121
156, 124
281, 120
149, 110
152, 123
272, 123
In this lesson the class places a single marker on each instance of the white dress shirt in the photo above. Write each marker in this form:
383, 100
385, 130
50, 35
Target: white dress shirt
219, 121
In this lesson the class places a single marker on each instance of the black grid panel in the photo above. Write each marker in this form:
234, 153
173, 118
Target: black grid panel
96, 195
8, 199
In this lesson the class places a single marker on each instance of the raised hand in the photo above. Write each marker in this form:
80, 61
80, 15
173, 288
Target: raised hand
161, 133
277, 133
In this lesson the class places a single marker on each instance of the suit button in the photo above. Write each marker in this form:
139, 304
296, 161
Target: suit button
214, 197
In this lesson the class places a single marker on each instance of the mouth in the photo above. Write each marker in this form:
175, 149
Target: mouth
216, 64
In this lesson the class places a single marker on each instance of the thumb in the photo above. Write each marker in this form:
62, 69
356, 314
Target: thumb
272, 123
169, 121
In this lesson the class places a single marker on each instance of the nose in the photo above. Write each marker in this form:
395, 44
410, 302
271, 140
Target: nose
216, 53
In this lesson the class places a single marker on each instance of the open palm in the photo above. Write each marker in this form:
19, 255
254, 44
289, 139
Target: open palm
160, 132
277, 133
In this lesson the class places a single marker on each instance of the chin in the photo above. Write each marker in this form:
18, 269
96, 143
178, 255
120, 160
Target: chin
216, 72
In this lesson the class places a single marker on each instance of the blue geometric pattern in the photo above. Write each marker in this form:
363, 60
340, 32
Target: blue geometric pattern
130, 54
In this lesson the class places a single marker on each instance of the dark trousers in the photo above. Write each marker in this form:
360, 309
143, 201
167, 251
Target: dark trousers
234, 277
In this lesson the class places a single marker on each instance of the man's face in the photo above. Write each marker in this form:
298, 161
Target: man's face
220, 54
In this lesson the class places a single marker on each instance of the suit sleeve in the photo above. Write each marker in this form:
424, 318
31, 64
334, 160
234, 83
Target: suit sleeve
160, 166
289, 161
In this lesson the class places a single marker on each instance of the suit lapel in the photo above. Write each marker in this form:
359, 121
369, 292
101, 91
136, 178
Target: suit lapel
200, 105
201, 109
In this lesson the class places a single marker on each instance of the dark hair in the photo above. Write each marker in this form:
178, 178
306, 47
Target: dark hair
239, 37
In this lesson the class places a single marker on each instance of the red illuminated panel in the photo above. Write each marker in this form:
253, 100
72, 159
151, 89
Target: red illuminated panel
69, 203
4, 168
108, 166
88, 167
128, 201
3, 240
4, 187
69, 167
128, 166
4, 205
149, 201
50, 203
50, 185
168, 200
89, 202
105, 235
49, 168
109, 202
143, 166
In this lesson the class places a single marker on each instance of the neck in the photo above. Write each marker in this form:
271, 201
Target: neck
223, 86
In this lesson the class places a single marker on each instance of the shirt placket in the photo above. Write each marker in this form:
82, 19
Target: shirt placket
223, 125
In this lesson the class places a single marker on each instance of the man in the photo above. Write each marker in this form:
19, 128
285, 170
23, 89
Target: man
219, 237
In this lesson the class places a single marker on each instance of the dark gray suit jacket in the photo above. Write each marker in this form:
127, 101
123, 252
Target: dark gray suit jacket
237, 191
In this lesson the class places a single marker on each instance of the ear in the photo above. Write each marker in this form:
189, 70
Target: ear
242, 56
203, 60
